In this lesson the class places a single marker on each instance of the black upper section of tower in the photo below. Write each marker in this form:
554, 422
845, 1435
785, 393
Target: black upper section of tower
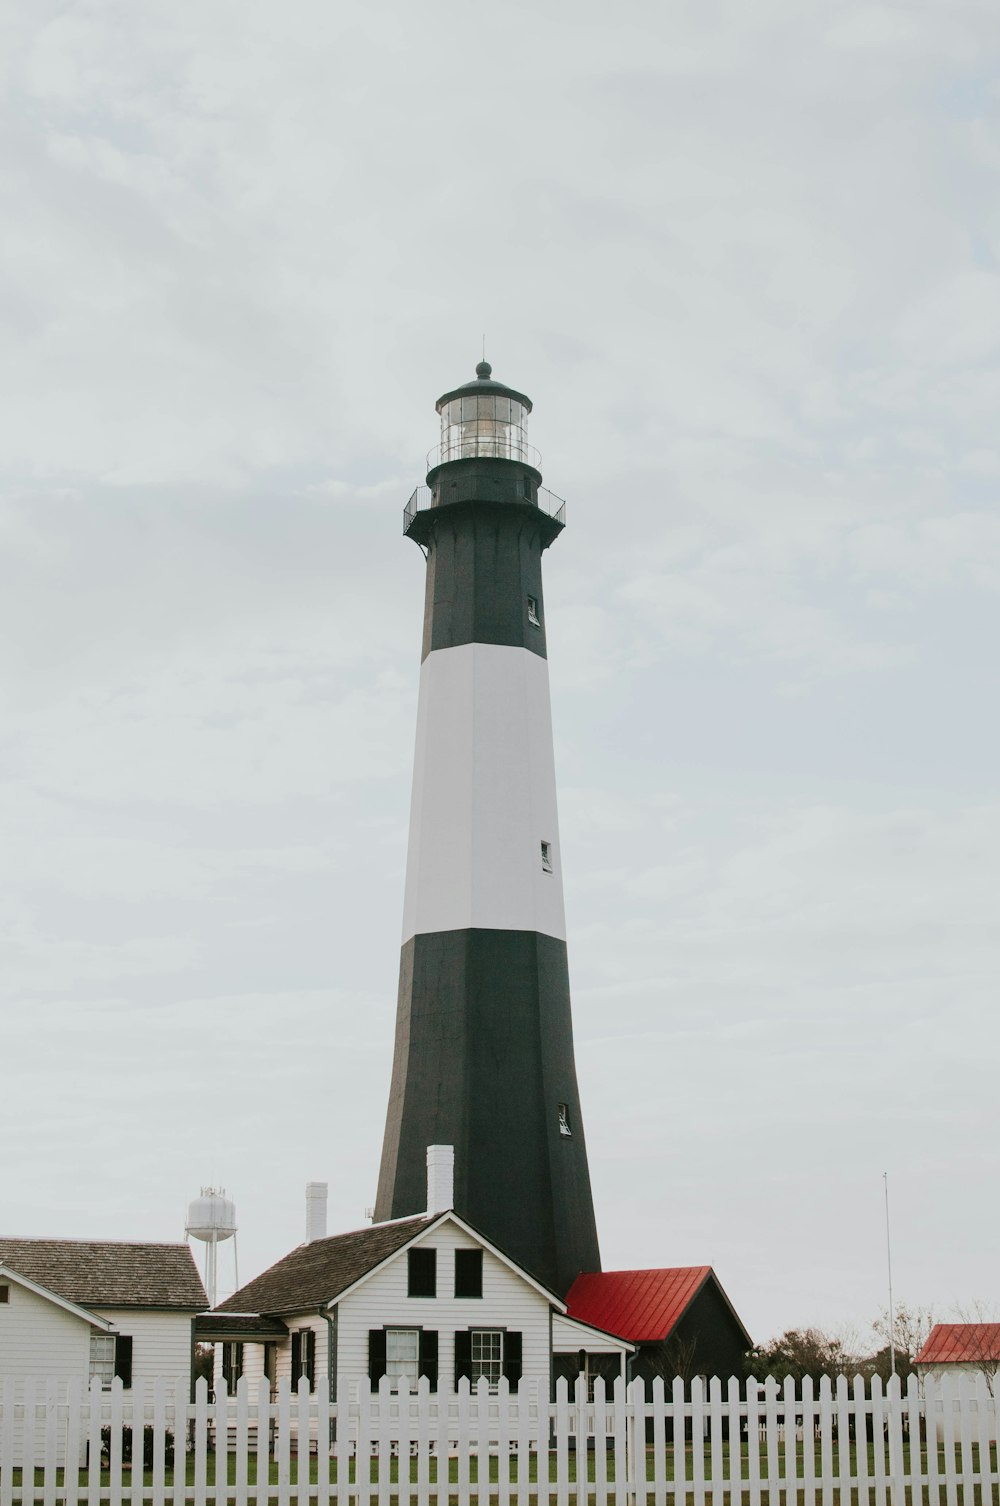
484, 531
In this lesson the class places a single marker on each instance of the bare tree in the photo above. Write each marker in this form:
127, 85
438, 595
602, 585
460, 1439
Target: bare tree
674, 1357
800, 1352
908, 1335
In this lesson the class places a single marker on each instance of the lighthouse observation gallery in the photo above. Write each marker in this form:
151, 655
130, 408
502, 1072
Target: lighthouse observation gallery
484, 1038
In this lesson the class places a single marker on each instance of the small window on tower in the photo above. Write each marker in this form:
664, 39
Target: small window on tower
547, 856
527, 487
533, 616
564, 1125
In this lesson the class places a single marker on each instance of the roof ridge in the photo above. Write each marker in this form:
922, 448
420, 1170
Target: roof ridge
385, 1223
60, 1239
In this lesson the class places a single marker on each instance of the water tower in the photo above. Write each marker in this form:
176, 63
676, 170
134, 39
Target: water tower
212, 1218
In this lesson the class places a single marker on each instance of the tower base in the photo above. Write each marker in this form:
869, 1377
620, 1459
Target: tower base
484, 1061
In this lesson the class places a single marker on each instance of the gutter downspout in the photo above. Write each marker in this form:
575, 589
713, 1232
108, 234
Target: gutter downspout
331, 1362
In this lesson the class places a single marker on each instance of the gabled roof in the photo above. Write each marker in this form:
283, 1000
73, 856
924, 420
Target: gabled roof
642, 1306
105, 1273
7, 1273
961, 1344
315, 1273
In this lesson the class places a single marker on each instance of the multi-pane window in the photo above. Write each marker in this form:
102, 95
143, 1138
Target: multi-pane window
487, 1355
402, 1355
102, 1358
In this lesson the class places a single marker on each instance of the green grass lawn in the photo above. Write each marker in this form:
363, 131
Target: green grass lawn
679, 1465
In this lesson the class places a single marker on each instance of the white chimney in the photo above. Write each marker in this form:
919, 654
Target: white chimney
316, 1210
440, 1178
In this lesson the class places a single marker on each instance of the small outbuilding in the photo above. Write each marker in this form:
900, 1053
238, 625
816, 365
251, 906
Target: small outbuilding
678, 1317
961, 1349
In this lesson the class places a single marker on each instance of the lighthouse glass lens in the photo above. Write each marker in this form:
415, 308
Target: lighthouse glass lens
483, 424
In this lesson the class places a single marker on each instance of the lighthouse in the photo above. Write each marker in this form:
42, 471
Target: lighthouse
483, 1055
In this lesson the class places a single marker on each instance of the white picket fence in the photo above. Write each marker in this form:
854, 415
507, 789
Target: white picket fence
836, 1444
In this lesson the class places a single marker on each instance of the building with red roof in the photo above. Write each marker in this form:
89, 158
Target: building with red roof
679, 1317
968, 1348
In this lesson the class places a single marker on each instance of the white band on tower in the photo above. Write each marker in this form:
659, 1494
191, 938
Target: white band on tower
484, 837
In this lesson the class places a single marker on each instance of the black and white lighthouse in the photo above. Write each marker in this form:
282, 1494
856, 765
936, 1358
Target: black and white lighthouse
484, 1038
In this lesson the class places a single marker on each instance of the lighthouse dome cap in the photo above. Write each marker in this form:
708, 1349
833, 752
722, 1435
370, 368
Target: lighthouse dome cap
483, 382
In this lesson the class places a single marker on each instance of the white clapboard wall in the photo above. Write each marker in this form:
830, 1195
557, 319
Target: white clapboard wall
839, 1443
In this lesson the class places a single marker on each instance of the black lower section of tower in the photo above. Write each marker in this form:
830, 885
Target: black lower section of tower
494, 1076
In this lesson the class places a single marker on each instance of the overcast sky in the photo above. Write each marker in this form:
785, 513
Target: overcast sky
744, 259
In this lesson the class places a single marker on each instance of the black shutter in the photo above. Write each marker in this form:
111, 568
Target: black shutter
376, 1355
421, 1273
468, 1273
512, 1358
123, 1359
463, 1355
311, 1357
296, 1359
428, 1356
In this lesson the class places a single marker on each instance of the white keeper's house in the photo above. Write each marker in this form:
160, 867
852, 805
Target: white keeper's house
423, 1296
76, 1309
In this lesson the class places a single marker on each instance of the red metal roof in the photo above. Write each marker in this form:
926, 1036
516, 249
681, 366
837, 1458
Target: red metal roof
643, 1306
961, 1344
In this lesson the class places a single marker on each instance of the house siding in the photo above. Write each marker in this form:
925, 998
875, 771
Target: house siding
161, 1343
569, 1338
508, 1302
40, 1340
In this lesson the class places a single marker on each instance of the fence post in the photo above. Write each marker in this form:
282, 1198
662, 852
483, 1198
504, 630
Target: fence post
753, 1438
771, 1438
897, 1489
965, 1431
734, 1478
658, 1413
621, 1442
